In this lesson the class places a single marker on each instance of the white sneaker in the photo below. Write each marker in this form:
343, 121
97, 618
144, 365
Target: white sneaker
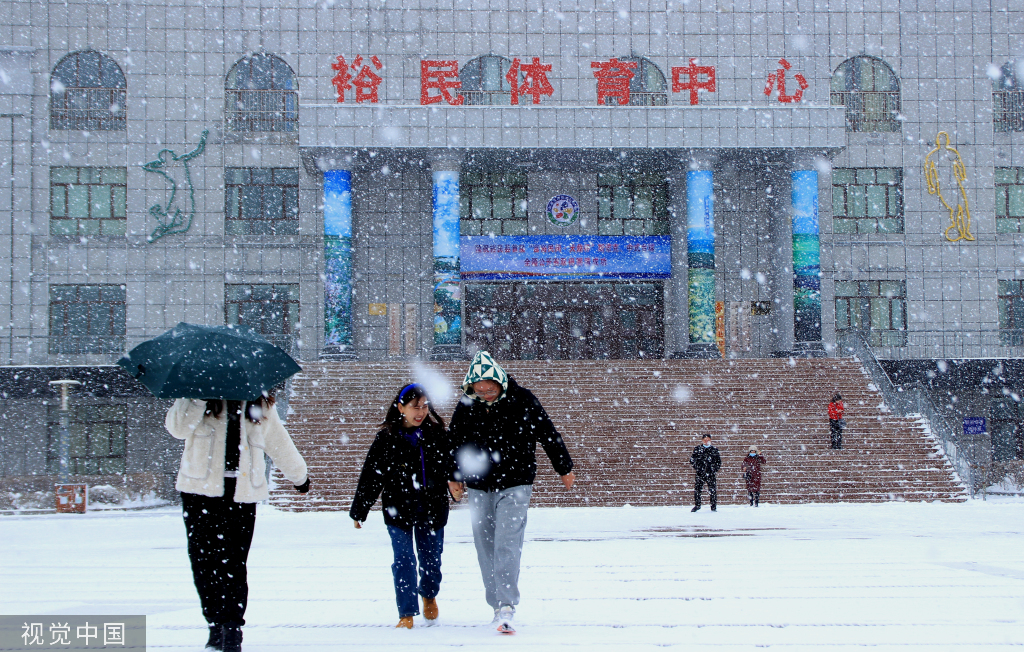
505, 614
495, 620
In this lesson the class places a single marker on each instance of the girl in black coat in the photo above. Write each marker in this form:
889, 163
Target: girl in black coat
411, 462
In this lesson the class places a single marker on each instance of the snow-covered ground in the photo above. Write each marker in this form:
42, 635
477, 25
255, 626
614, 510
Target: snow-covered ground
809, 577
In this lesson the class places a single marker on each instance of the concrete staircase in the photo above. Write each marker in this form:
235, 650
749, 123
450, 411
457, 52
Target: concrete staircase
630, 426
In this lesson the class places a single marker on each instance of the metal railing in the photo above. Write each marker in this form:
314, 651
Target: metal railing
88, 109
262, 110
912, 400
1008, 110
874, 111
985, 343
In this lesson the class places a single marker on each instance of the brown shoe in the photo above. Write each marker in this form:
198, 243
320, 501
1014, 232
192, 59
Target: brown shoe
430, 608
404, 621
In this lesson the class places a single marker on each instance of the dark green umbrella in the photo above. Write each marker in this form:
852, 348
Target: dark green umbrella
190, 361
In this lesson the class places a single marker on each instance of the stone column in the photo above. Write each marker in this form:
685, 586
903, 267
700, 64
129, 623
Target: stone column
806, 262
676, 312
700, 244
447, 279
338, 264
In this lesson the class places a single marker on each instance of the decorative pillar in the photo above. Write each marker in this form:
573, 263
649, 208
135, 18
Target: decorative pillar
338, 263
700, 242
447, 280
806, 263
676, 313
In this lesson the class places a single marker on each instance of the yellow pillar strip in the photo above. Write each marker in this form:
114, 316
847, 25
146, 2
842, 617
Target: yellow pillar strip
960, 218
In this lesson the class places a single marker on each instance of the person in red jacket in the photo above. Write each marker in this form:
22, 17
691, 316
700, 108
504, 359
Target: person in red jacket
751, 468
835, 421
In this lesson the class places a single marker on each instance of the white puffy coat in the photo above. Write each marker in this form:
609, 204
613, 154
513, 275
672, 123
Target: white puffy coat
202, 464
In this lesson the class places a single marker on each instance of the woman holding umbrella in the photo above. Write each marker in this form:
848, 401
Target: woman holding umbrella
222, 379
221, 478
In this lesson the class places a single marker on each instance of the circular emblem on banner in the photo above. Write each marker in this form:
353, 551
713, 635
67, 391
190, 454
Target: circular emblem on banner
563, 210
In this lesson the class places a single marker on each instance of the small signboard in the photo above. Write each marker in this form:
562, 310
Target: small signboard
974, 426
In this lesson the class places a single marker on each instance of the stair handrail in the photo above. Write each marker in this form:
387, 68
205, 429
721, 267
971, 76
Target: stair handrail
908, 400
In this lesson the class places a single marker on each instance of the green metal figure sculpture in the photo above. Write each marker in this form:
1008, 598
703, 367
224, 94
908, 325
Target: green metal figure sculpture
176, 222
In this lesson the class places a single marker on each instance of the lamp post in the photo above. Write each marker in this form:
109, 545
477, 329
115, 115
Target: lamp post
69, 497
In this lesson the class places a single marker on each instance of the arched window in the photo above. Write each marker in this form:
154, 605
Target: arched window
87, 92
483, 81
261, 95
647, 86
1008, 97
870, 91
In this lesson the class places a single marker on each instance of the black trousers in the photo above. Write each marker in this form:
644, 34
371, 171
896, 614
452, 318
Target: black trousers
712, 482
836, 431
754, 495
219, 535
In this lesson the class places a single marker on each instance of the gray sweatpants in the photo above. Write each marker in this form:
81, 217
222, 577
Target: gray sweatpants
499, 524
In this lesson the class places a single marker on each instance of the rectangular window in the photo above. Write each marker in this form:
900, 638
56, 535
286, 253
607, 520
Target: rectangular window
270, 310
493, 203
878, 307
96, 437
1009, 184
261, 201
1011, 313
867, 200
632, 205
87, 201
87, 319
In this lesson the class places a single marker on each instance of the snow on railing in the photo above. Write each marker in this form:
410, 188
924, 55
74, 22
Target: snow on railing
911, 400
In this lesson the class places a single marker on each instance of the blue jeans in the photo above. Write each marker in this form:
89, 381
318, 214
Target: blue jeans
429, 544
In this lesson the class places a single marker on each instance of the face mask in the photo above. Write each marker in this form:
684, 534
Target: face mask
753, 454
707, 445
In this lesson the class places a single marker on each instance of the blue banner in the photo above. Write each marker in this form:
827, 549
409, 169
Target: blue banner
447, 286
806, 257
337, 258
700, 245
565, 257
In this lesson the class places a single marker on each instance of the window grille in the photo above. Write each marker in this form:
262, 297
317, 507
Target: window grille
878, 307
484, 83
867, 200
88, 201
87, 319
261, 201
87, 93
870, 91
261, 95
1008, 98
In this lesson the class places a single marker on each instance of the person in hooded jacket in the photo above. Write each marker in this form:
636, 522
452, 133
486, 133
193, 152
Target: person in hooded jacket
706, 462
410, 461
495, 431
751, 467
221, 478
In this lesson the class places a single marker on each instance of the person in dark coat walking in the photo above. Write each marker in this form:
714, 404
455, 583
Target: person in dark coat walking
835, 421
410, 461
495, 431
751, 467
706, 462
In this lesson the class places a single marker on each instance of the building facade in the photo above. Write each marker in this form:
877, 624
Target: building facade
576, 180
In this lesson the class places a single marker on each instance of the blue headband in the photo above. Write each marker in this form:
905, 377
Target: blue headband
405, 389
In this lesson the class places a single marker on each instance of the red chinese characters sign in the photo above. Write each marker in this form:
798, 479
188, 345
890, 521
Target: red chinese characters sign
437, 81
365, 81
695, 82
778, 79
535, 79
613, 79
440, 83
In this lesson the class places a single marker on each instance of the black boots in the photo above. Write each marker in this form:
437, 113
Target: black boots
216, 640
232, 638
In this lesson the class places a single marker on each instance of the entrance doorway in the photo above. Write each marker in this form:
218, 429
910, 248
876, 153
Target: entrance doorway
566, 321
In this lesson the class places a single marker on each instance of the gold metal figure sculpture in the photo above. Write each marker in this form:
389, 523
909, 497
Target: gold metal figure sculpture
960, 218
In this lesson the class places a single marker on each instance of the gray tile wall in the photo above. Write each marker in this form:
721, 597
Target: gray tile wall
176, 56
